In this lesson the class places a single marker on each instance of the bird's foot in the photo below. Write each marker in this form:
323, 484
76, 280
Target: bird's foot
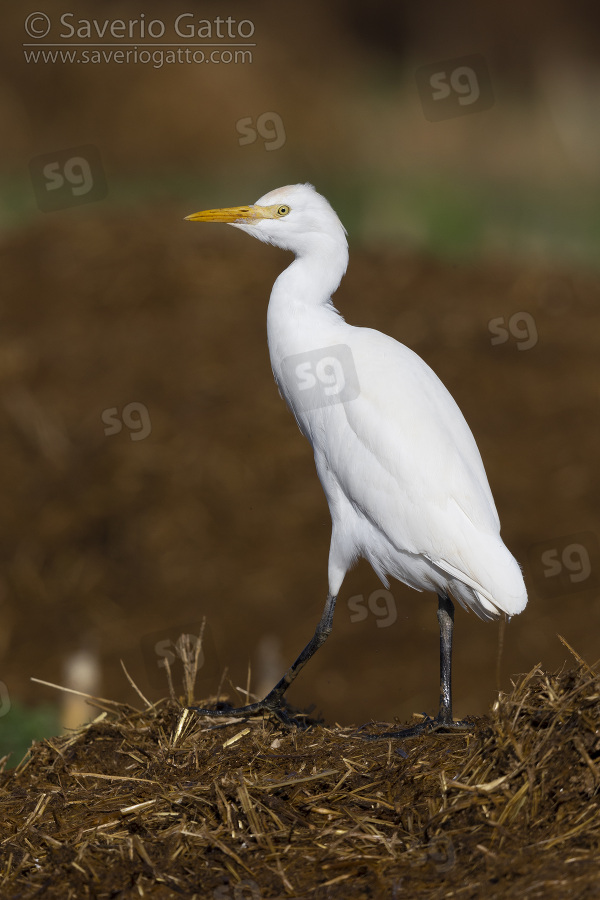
272, 703
441, 724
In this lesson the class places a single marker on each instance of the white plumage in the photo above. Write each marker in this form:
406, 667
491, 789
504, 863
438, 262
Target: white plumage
401, 471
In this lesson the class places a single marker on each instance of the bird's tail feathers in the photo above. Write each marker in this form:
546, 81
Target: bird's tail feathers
496, 589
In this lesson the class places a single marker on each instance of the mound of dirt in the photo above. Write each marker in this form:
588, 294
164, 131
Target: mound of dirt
157, 802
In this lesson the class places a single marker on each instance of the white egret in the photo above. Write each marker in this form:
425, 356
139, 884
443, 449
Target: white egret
401, 471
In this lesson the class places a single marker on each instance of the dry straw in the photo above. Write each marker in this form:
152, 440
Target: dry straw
155, 802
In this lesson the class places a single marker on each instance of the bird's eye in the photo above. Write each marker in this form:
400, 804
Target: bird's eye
283, 210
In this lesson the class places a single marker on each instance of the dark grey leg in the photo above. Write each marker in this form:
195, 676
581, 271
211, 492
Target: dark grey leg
445, 616
443, 720
272, 702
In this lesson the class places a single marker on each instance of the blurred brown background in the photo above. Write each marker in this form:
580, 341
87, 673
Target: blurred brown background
150, 475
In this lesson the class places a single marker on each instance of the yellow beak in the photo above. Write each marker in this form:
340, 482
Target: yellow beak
232, 214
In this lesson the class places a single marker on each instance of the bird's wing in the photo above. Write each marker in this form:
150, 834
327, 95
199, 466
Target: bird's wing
403, 454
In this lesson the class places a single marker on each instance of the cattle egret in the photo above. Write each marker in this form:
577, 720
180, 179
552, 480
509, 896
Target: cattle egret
401, 471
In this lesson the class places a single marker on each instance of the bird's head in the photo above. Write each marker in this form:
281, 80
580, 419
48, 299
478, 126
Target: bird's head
294, 218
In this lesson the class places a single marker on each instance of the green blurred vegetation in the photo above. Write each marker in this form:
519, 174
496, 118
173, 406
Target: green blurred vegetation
24, 724
436, 214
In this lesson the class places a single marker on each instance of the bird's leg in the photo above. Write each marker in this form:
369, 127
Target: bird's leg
443, 720
322, 632
445, 616
273, 701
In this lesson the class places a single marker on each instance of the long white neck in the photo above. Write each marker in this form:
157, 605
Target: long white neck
300, 308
